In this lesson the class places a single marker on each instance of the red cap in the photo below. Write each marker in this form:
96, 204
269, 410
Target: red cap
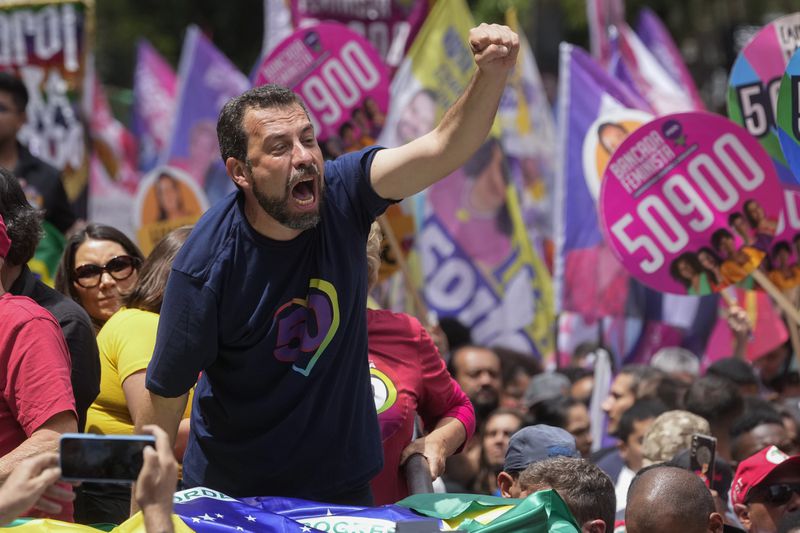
755, 468
5, 242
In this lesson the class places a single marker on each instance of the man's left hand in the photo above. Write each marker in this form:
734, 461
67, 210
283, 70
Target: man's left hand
432, 449
495, 48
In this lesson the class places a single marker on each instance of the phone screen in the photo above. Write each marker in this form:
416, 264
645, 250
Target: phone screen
103, 458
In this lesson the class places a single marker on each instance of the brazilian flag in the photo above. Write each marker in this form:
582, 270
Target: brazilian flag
48, 254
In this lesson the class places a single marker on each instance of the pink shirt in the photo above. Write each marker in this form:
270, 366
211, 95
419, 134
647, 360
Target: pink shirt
34, 375
408, 377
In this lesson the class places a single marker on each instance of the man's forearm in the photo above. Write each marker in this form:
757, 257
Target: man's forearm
166, 413
42, 441
157, 519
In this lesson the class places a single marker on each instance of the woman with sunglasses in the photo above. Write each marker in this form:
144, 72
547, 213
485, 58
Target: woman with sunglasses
126, 344
99, 265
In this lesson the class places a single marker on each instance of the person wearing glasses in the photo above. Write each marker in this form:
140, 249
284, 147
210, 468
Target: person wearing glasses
126, 344
99, 265
766, 486
24, 229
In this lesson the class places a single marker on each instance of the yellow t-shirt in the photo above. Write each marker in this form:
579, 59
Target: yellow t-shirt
126, 344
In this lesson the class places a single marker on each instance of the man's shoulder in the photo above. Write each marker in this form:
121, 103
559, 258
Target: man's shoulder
20, 310
32, 167
359, 161
64, 309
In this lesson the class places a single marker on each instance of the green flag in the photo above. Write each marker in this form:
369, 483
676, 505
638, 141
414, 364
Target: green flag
541, 512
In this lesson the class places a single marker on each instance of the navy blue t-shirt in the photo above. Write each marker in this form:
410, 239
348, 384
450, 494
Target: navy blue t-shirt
278, 330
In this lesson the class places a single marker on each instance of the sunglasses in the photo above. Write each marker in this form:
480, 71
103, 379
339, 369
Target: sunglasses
120, 268
778, 494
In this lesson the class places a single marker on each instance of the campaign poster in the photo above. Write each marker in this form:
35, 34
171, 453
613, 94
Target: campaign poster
47, 45
754, 84
390, 25
690, 204
342, 80
167, 198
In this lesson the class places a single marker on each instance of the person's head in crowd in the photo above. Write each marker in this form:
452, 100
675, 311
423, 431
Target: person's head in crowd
517, 368
23, 224
671, 391
544, 387
347, 133
723, 242
772, 366
530, 445
610, 135
148, 292
13, 101
757, 429
678, 362
99, 265
723, 473
790, 523
477, 371
584, 355
632, 428
566, 413
495, 436
719, 401
670, 433
632, 383
457, 333
766, 487
587, 490
666, 499
737, 371
582, 383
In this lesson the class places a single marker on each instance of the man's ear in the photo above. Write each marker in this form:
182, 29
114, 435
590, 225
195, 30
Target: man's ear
237, 170
715, 523
504, 483
743, 514
594, 526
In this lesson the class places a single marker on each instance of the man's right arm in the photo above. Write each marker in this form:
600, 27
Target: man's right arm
166, 413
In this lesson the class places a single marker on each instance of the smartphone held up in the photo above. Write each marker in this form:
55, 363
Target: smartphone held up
103, 458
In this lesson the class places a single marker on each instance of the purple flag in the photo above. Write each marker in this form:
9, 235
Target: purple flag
154, 91
658, 40
596, 112
208, 80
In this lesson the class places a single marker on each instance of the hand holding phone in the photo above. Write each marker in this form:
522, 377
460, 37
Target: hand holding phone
103, 458
702, 455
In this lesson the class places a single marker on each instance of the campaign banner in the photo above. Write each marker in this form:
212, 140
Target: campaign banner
655, 37
155, 87
788, 114
207, 81
690, 203
596, 113
47, 45
601, 15
390, 25
755, 82
340, 77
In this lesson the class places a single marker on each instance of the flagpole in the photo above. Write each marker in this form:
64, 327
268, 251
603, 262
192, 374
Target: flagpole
420, 309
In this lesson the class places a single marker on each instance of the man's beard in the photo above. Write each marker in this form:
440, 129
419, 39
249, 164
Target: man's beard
278, 207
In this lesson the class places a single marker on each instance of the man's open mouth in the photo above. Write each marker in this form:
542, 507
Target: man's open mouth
305, 192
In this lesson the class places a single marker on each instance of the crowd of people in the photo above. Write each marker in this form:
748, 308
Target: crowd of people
245, 346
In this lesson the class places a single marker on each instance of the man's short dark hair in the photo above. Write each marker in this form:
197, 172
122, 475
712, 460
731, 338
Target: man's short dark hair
754, 418
644, 409
14, 86
716, 399
646, 379
587, 490
23, 221
733, 369
553, 411
230, 128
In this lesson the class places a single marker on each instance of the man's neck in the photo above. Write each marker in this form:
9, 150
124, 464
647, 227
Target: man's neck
9, 274
9, 154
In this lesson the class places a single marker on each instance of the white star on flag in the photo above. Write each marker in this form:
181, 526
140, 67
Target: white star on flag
219, 515
239, 528
305, 528
251, 518
195, 519
209, 518
329, 513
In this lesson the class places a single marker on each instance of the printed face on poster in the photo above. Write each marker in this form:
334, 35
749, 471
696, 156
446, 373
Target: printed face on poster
690, 203
340, 77
167, 198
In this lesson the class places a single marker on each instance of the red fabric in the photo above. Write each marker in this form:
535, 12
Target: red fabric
404, 360
756, 468
34, 375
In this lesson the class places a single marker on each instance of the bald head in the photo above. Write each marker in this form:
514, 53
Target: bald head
666, 499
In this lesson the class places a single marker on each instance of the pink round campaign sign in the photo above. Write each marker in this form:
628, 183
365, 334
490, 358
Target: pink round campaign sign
690, 203
340, 77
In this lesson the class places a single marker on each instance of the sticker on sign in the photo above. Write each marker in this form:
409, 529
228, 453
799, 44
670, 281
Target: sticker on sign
690, 203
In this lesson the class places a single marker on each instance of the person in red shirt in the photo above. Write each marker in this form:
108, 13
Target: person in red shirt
36, 400
409, 377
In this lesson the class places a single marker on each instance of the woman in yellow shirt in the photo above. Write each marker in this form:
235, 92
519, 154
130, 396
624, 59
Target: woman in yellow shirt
126, 344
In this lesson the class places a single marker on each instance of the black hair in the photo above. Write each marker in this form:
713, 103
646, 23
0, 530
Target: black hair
689, 258
457, 333
781, 245
714, 398
553, 411
747, 214
717, 236
640, 410
754, 418
24, 223
733, 217
575, 374
734, 369
16, 88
